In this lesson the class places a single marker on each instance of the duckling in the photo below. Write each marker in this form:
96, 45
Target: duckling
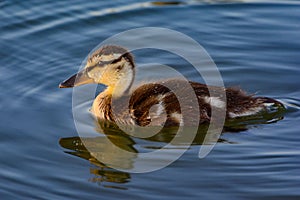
154, 103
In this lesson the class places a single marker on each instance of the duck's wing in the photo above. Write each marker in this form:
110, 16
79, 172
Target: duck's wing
157, 103
147, 104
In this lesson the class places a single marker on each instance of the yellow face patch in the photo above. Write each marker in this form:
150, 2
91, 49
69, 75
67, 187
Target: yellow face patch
106, 73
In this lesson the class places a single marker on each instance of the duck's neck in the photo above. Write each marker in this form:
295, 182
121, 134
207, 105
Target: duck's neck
122, 86
102, 104
105, 103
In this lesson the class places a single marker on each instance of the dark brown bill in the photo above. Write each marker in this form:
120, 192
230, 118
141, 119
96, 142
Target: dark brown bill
80, 78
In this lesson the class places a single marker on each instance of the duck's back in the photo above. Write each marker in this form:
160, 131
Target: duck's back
155, 103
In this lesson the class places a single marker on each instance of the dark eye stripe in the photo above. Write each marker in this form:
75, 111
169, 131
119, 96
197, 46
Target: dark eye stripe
117, 60
103, 63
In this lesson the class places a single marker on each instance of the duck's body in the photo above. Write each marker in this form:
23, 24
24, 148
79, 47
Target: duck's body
154, 103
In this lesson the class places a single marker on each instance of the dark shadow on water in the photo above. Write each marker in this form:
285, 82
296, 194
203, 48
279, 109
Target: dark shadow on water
110, 133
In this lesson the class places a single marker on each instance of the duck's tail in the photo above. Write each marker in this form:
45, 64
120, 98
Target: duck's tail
271, 105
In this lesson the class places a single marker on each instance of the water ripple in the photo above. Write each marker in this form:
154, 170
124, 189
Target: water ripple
255, 44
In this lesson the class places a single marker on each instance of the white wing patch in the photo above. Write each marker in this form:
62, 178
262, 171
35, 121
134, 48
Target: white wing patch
158, 109
157, 112
215, 102
177, 117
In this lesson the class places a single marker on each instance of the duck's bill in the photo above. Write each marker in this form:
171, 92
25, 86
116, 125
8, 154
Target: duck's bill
80, 78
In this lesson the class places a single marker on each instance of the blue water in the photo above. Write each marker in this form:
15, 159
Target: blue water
255, 45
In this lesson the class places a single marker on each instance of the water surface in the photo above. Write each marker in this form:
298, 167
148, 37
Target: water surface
254, 44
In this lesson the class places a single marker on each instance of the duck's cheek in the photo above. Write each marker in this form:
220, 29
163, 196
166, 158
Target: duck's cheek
96, 75
108, 78
98, 79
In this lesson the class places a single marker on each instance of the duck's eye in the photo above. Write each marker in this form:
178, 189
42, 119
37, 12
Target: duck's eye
119, 67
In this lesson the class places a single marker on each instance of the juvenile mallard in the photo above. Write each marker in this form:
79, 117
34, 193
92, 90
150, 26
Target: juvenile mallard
154, 103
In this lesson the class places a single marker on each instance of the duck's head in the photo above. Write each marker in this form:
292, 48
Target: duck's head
110, 65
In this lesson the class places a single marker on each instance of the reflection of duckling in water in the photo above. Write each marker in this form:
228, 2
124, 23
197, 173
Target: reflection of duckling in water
114, 67
113, 155
103, 175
